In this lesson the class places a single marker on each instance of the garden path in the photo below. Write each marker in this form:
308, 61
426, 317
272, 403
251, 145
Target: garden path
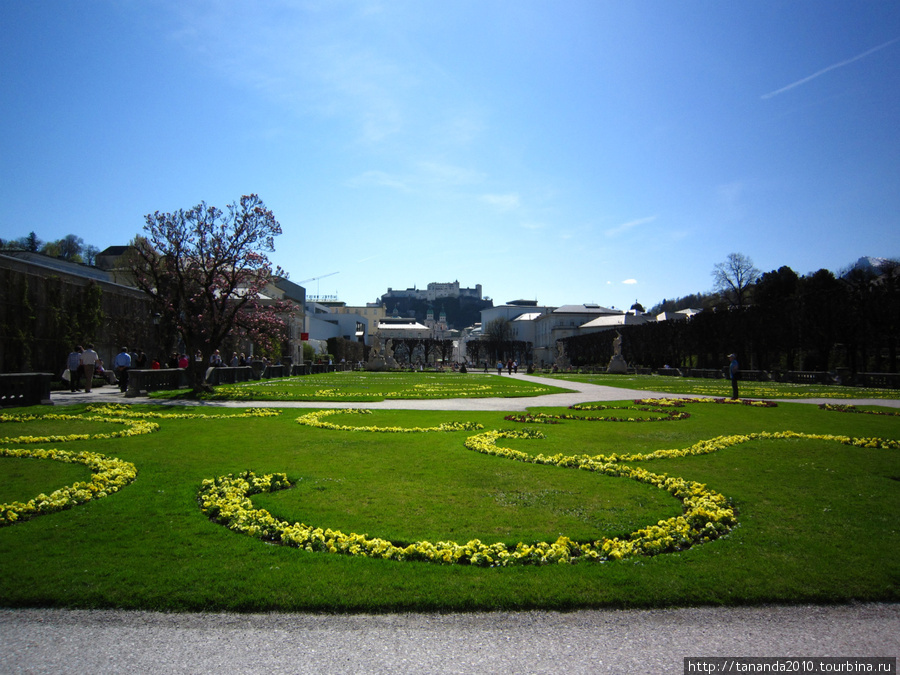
582, 393
589, 641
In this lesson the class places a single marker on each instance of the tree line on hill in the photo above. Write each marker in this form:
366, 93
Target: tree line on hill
70, 247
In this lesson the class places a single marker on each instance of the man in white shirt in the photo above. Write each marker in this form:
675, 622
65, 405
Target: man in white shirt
89, 360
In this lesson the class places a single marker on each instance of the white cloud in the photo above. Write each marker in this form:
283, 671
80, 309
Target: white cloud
624, 227
379, 179
305, 56
630, 281
507, 202
448, 174
834, 66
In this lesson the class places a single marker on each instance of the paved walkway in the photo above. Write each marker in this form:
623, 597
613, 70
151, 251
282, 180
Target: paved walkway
591, 641
604, 641
582, 393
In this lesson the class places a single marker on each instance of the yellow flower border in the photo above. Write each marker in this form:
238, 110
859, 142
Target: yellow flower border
314, 419
110, 474
125, 411
707, 514
135, 428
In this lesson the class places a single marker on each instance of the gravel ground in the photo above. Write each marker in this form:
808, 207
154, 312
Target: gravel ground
583, 393
600, 641
615, 641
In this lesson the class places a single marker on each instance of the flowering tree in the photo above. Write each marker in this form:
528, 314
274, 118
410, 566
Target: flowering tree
204, 269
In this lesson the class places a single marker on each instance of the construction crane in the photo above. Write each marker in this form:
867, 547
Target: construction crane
330, 274
316, 279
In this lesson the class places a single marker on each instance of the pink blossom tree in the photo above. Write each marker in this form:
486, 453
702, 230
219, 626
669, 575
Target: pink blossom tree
204, 270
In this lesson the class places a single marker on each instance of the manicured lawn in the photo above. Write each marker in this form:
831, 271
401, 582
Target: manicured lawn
354, 387
816, 519
722, 387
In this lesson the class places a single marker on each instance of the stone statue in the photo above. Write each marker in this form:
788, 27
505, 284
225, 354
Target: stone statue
562, 361
389, 360
617, 362
376, 359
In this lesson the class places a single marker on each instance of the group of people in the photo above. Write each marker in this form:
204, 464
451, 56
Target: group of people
512, 366
216, 360
85, 363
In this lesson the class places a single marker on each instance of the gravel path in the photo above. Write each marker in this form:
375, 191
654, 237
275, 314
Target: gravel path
595, 641
614, 641
582, 393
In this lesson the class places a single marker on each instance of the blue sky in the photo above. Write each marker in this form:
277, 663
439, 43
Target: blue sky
566, 152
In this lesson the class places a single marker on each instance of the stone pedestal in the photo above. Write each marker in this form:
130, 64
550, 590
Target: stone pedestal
617, 365
376, 364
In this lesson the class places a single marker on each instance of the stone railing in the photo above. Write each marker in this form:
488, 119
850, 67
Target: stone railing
19, 389
753, 375
879, 380
713, 373
229, 375
271, 371
154, 380
670, 372
807, 377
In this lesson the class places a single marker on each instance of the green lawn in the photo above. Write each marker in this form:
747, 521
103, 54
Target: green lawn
354, 387
816, 519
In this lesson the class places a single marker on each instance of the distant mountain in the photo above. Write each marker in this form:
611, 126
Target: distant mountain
870, 263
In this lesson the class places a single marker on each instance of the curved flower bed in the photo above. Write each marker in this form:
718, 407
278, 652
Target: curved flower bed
125, 411
134, 428
109, 476
707, 514
364, 387
679, 402
546, 418
834, 407
314, 419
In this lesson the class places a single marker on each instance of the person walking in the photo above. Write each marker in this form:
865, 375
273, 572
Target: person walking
121, 366
73, 363
89, 359
733, 374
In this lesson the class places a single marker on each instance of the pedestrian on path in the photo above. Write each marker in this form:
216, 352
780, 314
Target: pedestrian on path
121, 366
73, 363
89, 359
733, 375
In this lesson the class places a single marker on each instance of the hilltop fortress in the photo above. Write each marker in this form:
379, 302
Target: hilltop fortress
458, 307
434, 291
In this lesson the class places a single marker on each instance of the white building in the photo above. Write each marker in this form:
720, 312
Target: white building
544, 326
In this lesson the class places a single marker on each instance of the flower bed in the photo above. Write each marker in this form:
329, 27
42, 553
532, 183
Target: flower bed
134, 428
314, 419
109, 476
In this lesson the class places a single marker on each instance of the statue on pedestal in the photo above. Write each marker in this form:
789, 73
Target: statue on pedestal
376, 358
562, 361
617, 362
